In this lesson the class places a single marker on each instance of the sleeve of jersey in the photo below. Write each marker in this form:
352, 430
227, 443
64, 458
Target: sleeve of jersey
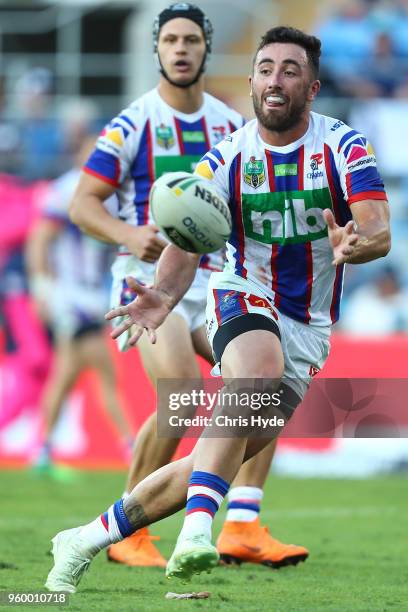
359, 176
213, 168
112, 156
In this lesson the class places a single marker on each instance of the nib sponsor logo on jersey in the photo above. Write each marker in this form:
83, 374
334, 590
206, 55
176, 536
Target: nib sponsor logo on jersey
289, 217
360, 155
164, 136
315, 160
254, 172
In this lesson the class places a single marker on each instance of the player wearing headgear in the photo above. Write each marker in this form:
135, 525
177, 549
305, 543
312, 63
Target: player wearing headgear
170, 128
183, 10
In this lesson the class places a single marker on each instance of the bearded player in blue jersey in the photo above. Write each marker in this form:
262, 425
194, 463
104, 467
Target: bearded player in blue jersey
170, 128
306, 198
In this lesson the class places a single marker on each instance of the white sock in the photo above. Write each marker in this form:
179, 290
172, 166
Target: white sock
244, 504
197, 523
96, 534
205, 494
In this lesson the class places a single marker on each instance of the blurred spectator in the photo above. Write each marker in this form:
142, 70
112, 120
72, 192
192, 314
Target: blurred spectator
347, 38
391, 16
40, 132
365, 49
378, 308
9, 137
380, 75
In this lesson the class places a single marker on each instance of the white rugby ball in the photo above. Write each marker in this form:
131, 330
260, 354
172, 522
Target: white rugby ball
190, 212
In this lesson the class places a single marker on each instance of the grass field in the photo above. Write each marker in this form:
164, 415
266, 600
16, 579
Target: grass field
357, 532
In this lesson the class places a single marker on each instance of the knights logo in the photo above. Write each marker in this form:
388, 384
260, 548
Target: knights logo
315, 161
254, 172
164, 136
219, 133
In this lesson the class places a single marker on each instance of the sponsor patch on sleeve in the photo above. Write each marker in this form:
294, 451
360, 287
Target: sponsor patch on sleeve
208, 165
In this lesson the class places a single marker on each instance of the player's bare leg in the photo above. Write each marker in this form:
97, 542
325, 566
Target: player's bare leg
255, 354
242, 538
254, 472
201, 344
148, 455
73, 356
173, 356
164, 492
161, 494
64, 372
162, 361
93, 353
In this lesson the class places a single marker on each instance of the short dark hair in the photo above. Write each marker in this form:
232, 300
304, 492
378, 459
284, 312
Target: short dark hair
286, 34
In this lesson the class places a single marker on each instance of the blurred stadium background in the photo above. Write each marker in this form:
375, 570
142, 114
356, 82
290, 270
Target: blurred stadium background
68, 66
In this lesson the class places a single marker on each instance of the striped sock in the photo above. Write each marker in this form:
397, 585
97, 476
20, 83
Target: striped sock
244, 504
110, 527
205, 494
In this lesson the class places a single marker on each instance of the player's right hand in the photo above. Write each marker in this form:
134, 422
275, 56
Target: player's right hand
145, 243
147, 312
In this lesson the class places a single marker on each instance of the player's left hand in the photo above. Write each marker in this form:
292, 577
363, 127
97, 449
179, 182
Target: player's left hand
343, 240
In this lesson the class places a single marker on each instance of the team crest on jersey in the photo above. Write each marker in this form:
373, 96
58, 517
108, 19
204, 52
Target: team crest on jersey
164, 136
254, 172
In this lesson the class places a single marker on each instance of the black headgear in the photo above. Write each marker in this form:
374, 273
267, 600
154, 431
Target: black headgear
186, 11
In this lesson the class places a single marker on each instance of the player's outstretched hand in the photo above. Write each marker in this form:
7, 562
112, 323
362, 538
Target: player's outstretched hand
147, 312
343, 240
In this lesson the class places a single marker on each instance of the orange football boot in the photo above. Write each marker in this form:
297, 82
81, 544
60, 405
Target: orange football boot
137, 550
241, 542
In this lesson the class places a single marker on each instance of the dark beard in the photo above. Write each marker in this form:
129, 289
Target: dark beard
279, 124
